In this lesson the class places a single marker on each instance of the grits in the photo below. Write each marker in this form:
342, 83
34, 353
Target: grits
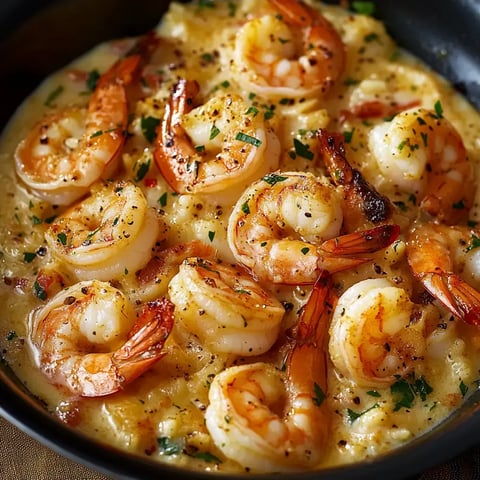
389, 378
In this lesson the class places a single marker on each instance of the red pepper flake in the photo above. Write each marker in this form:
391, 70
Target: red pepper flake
150, 182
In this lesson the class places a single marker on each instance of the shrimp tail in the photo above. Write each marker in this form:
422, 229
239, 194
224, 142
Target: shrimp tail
375, 207
174, 153
462, 300
346, 251
146, 340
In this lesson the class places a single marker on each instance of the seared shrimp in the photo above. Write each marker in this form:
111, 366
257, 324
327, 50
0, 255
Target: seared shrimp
107, 234
431, 253
225, 307
214, 146
363, 204
69, 332
68, 150
285, 229
423, 154
375, 334
267, 420
293, 53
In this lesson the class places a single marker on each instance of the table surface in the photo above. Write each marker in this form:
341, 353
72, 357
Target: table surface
24, 458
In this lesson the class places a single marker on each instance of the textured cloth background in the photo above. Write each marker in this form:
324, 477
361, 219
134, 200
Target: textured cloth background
23, 458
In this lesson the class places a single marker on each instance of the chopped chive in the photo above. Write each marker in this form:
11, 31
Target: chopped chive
54, 95
243, 137
438, 109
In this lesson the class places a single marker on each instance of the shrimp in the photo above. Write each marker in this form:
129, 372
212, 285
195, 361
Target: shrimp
83, 338
70, 149
423, 154
267, 420
363, 204
376, 333
294, 53
105, 235
214, 146
431, 251
285, 229
225, 307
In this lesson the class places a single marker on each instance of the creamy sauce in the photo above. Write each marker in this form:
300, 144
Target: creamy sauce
162, 413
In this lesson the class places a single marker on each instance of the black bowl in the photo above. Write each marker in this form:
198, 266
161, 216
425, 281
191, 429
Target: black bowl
39, 36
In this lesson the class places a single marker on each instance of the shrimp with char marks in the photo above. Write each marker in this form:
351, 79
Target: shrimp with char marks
86, 338
215, 146
269, 420
363, 204
225, 307
422, 153
285, 229
70, 149
108, 233
376, 333
293, 52
431, 254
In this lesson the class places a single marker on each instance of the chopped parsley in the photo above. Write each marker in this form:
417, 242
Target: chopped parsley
142, 170
364, 8
214, 131
168, 446
149, 127
62, 238
319, 395
273, 178
438, 109
302, 149
211, 235
352, 415
348, 135
92, 80
163, 199
474, 243
207, 457
29, 257
463, 388
39, 291
404, 391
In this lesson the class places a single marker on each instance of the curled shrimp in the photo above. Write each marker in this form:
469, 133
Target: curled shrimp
295, 52
268, 420
423, 154
285, 229
83, 338
68, 150
108, 233
375, 333
214, 146
225, 307
363, 204
431, 253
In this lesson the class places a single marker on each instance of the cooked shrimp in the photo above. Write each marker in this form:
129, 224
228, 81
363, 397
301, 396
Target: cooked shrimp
267, 420
110, 232
431, 252
68, 150
363, 204
153, 279
423, 154
295, 52
225, 307
285, 229
83, 338
375, 334
214, 146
